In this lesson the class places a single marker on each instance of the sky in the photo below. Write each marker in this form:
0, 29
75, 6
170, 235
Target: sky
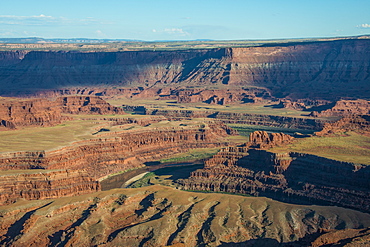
151, 20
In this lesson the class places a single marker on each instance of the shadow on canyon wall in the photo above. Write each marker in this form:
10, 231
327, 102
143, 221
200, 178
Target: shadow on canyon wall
326, 70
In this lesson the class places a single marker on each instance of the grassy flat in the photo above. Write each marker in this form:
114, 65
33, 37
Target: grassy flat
45, 138
259, 109
83, 127
348, 147
193, 154
30, 171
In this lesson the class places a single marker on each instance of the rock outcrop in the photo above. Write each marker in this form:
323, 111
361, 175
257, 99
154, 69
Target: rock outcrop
316, 70
86, 105
262, 139
44, 184
221, 97
33, 112
356, 123
16, 112
290, 177
113, 152
345, 108
241, 118
162, 216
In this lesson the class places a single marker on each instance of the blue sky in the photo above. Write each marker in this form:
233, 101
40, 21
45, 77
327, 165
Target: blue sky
184, 20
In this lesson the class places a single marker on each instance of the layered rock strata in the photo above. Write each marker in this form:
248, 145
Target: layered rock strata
345, 108
298, 70
356, 123
242, 118
262, 139
222, 97
119, 151
86, 105
162, 216
43, 184
290, 177
15, 112
36, 112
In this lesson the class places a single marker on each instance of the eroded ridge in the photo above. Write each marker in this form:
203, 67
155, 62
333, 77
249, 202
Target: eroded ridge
100, 157
291, 177
42, 184
16, 112
161, 216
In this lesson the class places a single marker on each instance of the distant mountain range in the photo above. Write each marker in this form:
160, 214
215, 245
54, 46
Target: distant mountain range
35, 40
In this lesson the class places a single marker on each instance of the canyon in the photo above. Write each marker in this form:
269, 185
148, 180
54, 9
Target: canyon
98, 157
89, 115
290, 177
339, 68
163, 216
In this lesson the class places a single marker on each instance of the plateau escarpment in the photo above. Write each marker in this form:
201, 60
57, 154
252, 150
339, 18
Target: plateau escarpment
36, 112
274, 86
345, 108
290, 177
43, 184
240, 118
162, 216
16, 112
336, 68
117, 151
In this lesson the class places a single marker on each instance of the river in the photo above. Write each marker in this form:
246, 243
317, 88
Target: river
126, 178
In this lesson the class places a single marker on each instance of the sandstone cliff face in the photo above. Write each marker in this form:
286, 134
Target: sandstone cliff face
35, 112
344, 108
262, 139
337, 69
356, 123
290, 177
221, 97
241, 118
162, 216
15, 112
43, 184
86, 105
119, 151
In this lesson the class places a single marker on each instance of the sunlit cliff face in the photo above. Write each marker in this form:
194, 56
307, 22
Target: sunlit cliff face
326, 70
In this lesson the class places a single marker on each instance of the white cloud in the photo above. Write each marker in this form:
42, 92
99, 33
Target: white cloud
364, 25
171, 31
176, 31
100, 34
37, 20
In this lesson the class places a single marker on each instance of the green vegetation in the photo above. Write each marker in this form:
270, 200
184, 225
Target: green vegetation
46, 138
166, 176
246, 129
262, 109
349, 147
144, 181
191, 155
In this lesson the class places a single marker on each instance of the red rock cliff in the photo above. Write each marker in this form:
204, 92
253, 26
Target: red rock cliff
44, 184
317, 70
115, 152
15, 112
290, 177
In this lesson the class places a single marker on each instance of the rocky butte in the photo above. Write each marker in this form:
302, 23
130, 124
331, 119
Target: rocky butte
137, 107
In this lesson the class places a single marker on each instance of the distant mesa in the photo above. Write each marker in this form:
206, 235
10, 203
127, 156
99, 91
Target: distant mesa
315, 70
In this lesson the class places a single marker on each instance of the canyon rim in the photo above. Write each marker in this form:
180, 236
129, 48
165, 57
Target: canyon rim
247, 145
